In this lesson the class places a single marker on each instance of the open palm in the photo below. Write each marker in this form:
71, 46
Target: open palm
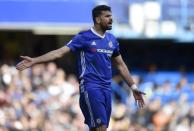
25, 63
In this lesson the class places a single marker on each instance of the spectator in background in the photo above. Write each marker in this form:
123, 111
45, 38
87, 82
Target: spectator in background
19, 98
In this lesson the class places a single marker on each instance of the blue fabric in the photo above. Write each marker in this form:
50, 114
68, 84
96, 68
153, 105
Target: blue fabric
95, 73
94, 56
95, 104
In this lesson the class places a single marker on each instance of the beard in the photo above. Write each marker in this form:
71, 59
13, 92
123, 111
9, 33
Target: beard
106, 27
109, 27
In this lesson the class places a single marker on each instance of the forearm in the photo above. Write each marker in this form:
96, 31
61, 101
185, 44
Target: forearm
52, 55
124, 71
46, 57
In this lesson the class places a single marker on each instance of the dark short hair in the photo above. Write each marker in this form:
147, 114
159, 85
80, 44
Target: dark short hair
98, 10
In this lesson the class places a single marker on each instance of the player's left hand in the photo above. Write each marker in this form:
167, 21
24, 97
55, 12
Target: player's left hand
138, 96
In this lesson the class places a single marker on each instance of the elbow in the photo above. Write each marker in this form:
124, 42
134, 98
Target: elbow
57, 54
122, 68
61, 52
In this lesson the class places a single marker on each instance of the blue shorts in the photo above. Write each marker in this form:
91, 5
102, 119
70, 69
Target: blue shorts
95, 104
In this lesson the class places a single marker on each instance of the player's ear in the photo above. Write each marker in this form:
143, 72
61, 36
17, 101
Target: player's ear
98, 20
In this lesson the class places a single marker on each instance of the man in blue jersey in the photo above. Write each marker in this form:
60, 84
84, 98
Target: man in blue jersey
95, 49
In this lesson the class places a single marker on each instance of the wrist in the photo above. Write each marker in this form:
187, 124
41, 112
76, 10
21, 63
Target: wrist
35, 61
134, 87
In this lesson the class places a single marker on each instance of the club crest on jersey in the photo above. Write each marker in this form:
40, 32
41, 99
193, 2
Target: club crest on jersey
98, 121
110, 44
93, 43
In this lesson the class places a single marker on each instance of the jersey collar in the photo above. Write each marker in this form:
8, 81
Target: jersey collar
96, 33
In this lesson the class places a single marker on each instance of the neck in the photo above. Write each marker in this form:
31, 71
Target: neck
99, 30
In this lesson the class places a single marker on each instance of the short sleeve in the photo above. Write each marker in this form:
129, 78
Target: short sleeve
76, 43
116, 51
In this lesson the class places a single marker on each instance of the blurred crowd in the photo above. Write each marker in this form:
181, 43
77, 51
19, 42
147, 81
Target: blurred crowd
169, 104
45, 98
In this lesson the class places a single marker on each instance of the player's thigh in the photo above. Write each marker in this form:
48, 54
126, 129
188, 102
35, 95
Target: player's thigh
108, 103
93, 106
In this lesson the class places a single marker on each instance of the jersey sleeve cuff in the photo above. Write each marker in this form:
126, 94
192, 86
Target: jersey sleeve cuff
116, 54
71, 48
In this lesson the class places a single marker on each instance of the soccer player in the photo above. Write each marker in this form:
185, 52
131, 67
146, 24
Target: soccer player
95, 49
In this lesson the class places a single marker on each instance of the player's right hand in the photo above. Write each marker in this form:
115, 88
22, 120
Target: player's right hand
25, 63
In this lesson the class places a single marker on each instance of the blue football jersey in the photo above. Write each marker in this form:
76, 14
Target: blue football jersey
94, 54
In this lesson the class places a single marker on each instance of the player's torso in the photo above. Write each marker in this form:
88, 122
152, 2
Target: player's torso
97, 54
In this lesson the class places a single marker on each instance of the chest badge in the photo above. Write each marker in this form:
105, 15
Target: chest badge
110, 44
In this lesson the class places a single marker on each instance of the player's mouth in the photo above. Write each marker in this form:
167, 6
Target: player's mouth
109, 26
110, 23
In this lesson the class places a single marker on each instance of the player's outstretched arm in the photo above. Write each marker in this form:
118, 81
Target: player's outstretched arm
52, 55
124, 71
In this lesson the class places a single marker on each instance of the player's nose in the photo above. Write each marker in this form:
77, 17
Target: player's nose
111, 20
